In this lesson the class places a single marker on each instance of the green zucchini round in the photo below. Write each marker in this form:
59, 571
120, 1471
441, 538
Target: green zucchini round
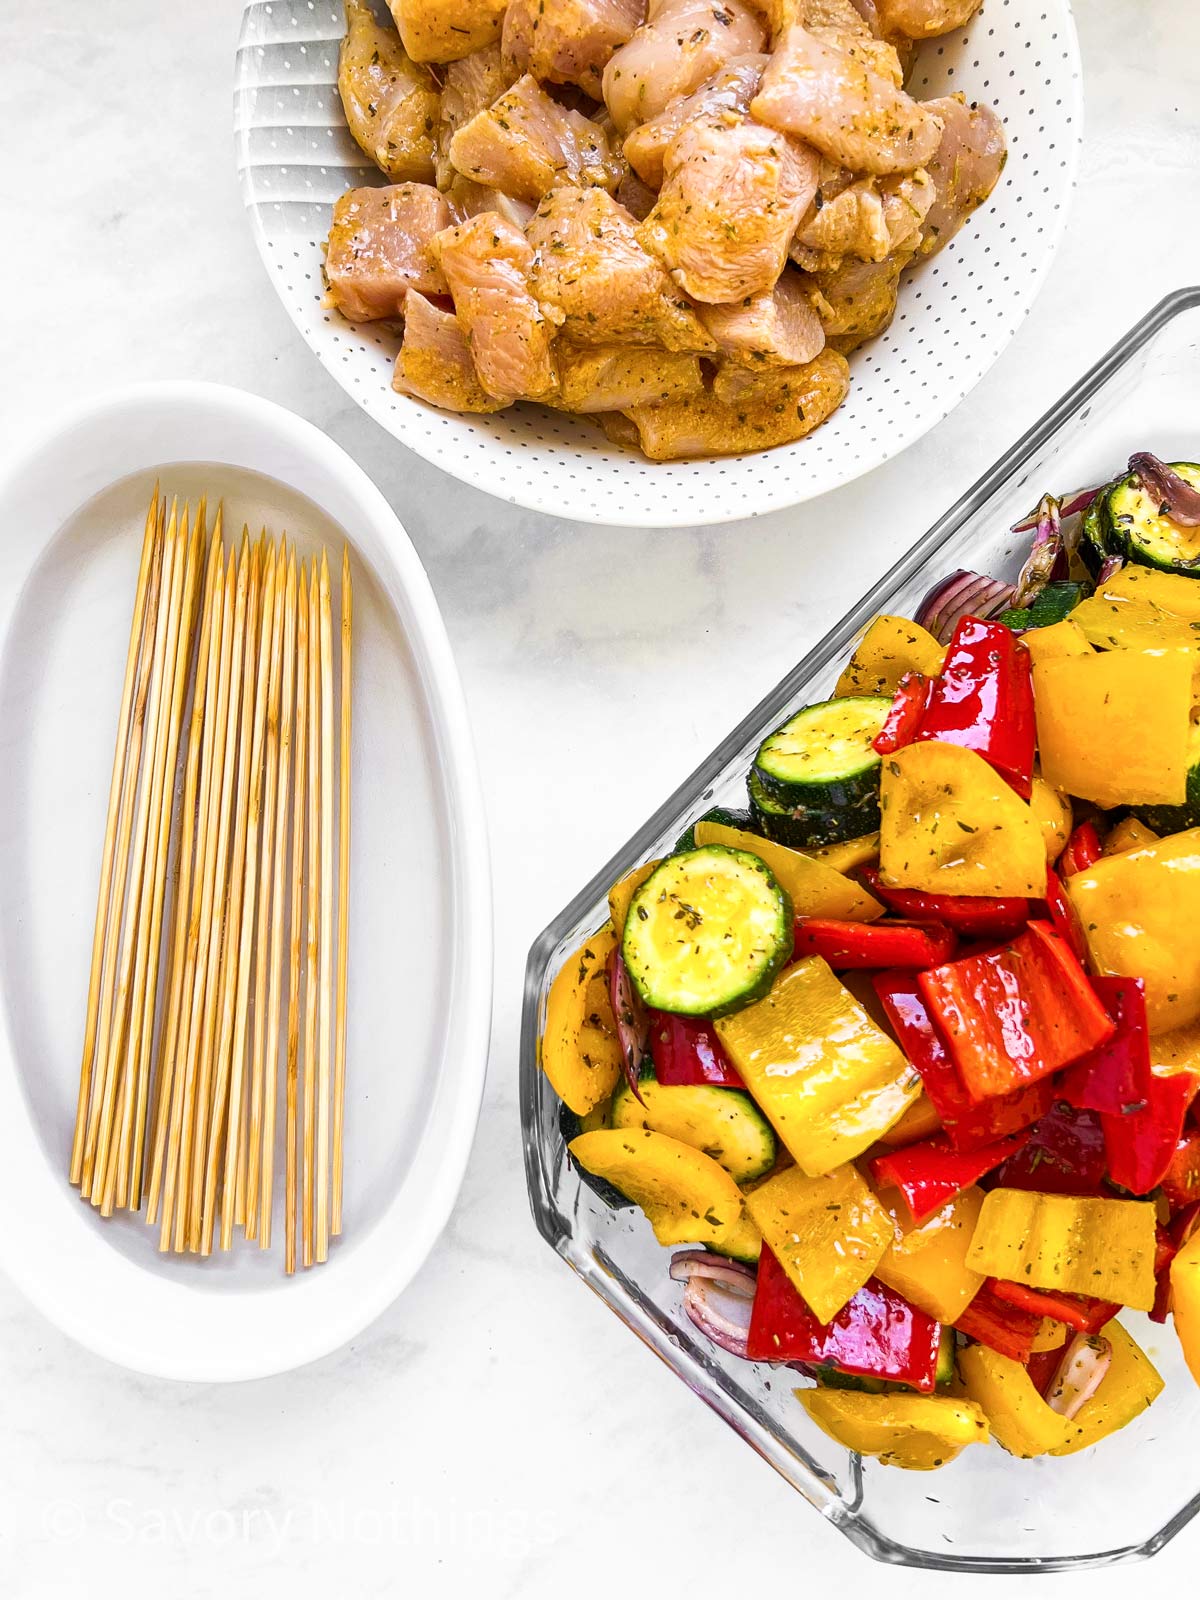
1139, 531
1053, 604
804, 827
707, 932
724, 1123
821, 771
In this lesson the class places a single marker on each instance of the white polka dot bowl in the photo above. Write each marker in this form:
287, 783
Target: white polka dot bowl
957, 312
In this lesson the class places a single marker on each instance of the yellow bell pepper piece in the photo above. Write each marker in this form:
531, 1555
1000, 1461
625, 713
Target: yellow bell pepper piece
828, 1233
951, 825
687, 1197
580, 1052
916, 1431
928, 1264
743, 1240
1117, 625
816, 889
1051, 1336
1138, 911
1168, 592
1054, 815
848, 856
920, 1121
1185, 1302
620, 896
1129, 834
828, 1078
1019, 1418
1114, 727
1086, 1245
890, 647
1061, 639
1127, 1388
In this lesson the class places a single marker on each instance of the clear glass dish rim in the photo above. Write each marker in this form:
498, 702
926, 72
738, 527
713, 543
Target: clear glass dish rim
555, 1229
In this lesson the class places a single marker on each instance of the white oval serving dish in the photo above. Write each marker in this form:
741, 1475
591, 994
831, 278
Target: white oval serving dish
71, 511
956, 314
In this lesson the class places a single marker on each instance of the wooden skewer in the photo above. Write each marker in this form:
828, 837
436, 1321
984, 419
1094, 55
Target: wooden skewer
115, 1064
287, 664
169, 1038
125, 828
234, 1174
299, 805
313, 906
118, 791
326, 997
182, 1058
343, 919
246, 951
236, 599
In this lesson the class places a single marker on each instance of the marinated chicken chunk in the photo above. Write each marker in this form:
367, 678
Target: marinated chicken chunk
569, 41
964, 169
617, 377
703, 425
733, 193
468, 198
730, 89
843, 109
841, 24
486, 261
924, 19
592, 276
778, 328
683, 43
468, 87
435, 362
526, 144
379, 249
858, 302
869, 220
391, 104
445, 30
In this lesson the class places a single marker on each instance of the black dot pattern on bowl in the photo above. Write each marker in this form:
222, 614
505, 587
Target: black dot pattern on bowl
955, 316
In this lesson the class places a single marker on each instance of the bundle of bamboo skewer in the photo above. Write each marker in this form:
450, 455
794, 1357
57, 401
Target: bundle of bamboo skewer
179, 1078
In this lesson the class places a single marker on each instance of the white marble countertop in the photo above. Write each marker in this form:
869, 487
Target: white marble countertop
496, 1428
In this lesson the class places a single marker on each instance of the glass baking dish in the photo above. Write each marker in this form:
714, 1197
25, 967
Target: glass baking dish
1124, 1499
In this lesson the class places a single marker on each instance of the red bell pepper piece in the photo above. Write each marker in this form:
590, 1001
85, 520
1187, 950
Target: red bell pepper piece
974, 916
902, 721
1000, 1326
1015, 1015
931, 1173
877, 1334
1082, 1312
1168, 1243
1082, 850
1042, 1368
969, 1124
874, 944
1141, 1140
1113, 1077
983, 701
1064, 1154
686, 1050
1064, 916
1181, 1180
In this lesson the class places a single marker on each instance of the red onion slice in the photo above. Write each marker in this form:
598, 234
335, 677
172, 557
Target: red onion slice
962, 594
689, 1264
721, 1313
1070, 507
1177, 498
1045, 555
632, 1019
1081, 1371
1108, 568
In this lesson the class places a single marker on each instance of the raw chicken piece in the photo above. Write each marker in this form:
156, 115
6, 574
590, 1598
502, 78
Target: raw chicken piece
435, 363
486, 261
923, 19
379, 249
468, 87
391, 104
447, 30
569, 41
870, 220
617, 428
965, 168
732, 195
616, 377
779, 328
731, 89
683, 43
859, 301
848, 112
702, 425
841, 24
592, 276
736, 384
468, 198
526, 144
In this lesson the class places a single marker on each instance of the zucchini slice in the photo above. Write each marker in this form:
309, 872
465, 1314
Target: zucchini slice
1056, 601
742, 1241
707, 932
803, 828
724, 1123
821, 770
1140, 531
